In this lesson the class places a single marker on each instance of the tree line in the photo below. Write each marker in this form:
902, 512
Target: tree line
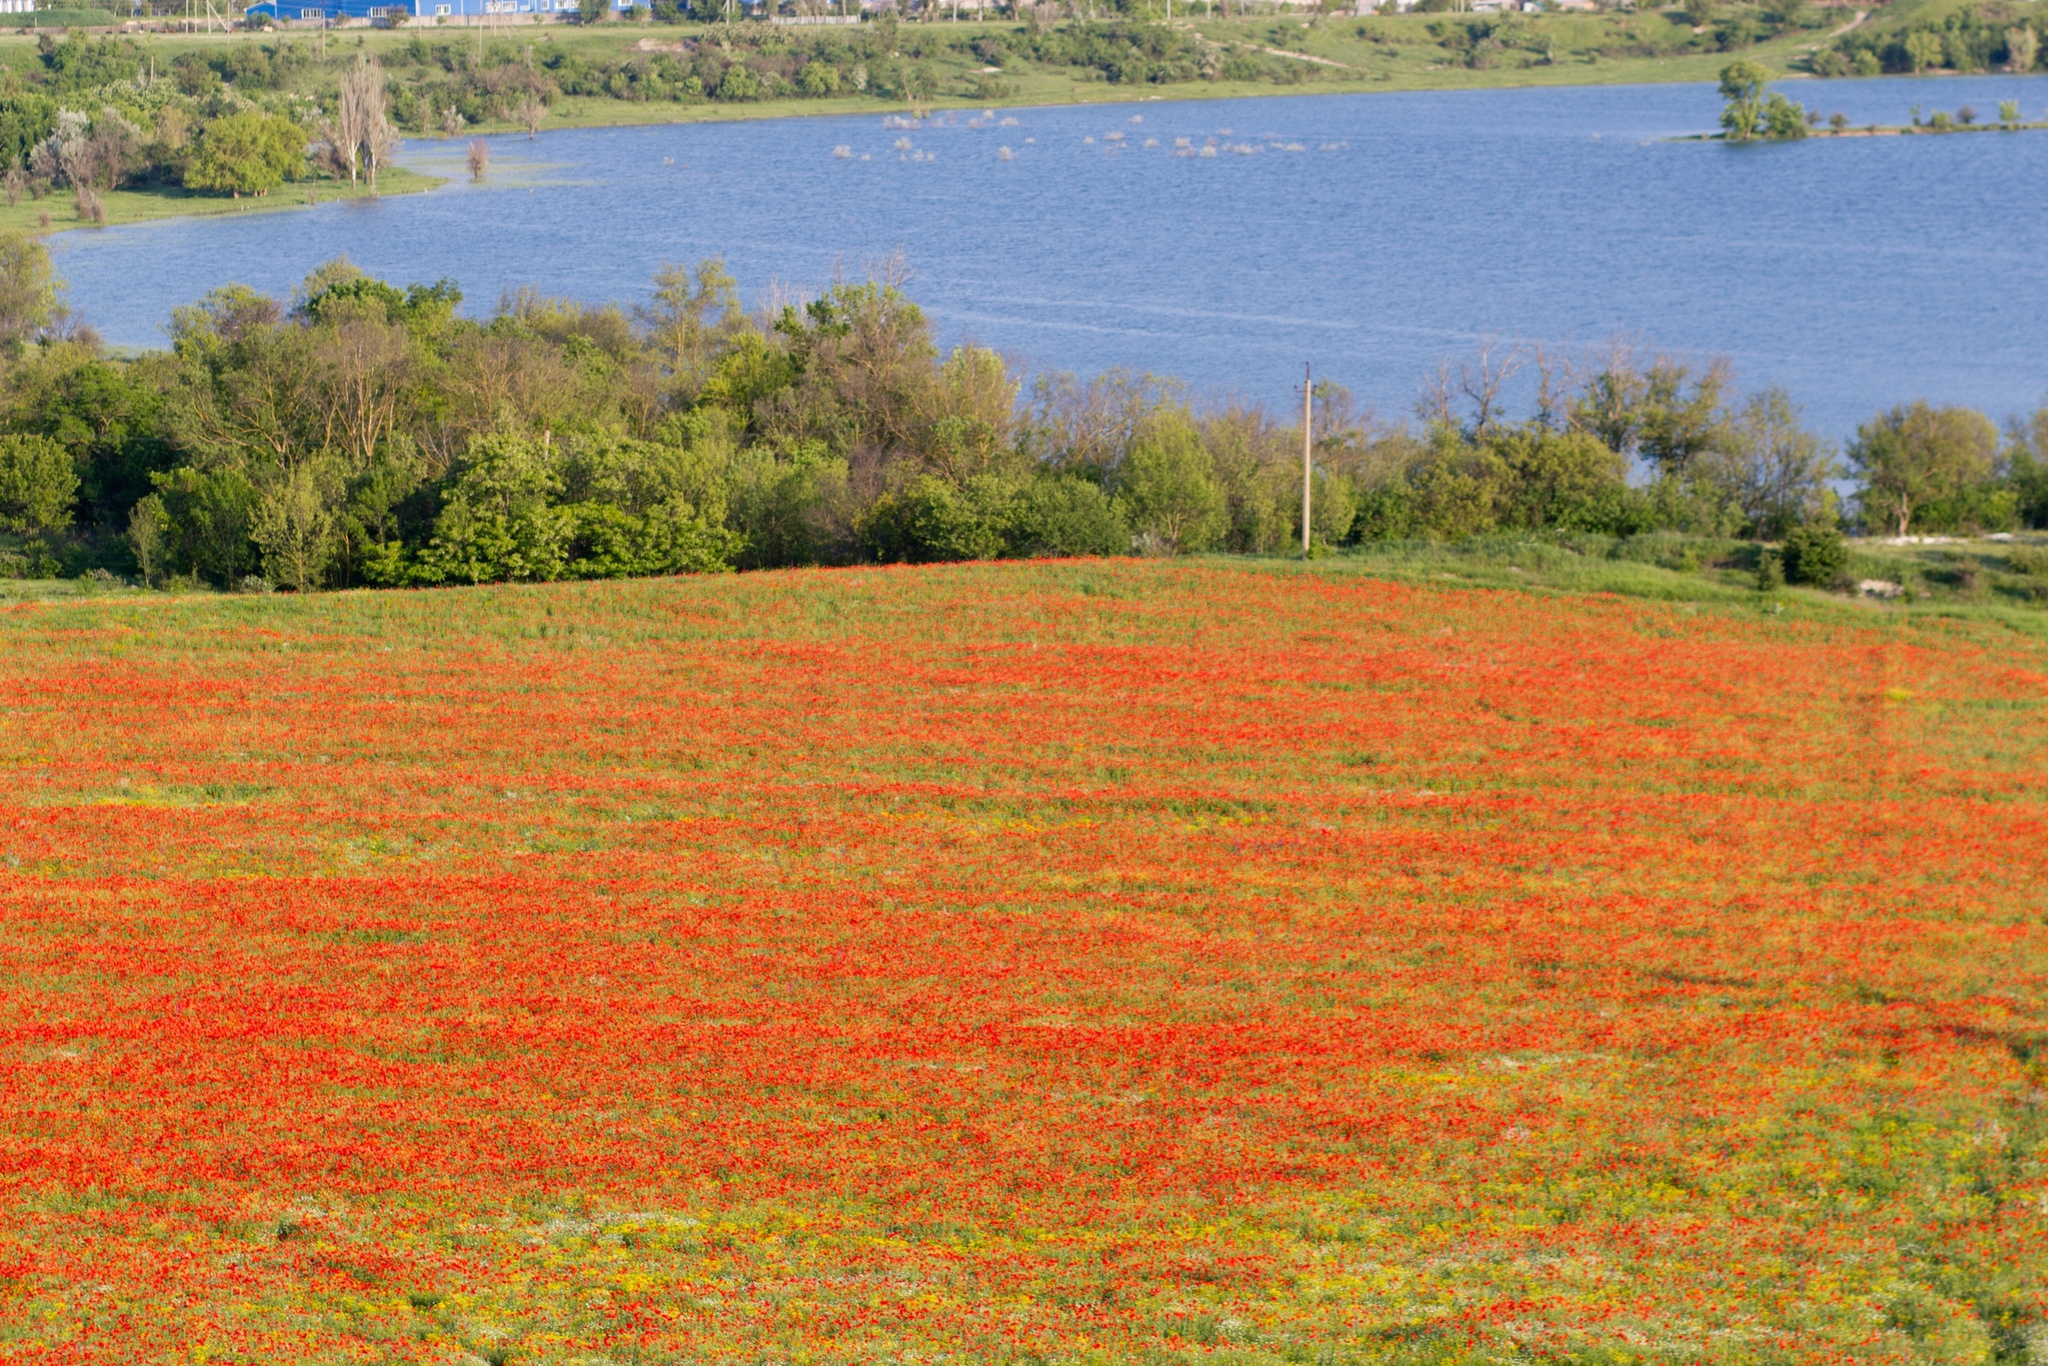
360, 433
1975, 36
95, 117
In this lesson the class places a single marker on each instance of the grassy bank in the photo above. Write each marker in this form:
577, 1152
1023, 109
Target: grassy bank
2001, 581
56, 212
1991, 580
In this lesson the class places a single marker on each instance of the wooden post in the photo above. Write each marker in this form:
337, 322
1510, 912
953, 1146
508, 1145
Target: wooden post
1307, 452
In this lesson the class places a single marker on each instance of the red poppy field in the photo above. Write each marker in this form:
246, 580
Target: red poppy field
1056, 964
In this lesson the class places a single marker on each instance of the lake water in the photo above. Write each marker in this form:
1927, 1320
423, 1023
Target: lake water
1368, 234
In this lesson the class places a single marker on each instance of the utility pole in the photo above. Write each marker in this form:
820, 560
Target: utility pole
1307, 452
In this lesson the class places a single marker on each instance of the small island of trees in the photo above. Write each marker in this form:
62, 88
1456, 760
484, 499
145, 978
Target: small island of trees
1755, 113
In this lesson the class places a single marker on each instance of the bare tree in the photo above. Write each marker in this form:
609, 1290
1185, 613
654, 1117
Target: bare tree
530, 111
352, 114
333, 153
359, 137
380, 147
1434, 405
1556, 379
1481, 379
1090, 427
479, 158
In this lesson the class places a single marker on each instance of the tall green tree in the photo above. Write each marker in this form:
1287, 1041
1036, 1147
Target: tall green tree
1769, 467
28, 290
689, 319
1742, 89
38, 484
1926, 469
1168, 489
1751, 111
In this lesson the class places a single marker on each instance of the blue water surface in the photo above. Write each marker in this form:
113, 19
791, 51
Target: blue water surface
1371, 235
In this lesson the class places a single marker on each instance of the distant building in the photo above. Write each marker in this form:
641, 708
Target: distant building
416, 11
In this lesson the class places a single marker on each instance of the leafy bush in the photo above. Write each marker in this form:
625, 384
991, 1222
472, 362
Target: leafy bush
932, 519
247, 153
1067, 516
1815, 554
37, 484
2031, 560
1770, 571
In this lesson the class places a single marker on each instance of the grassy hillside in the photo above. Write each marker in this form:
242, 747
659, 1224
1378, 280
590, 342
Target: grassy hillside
1095, 962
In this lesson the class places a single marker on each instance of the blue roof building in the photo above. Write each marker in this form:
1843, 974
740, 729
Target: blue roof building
420, 11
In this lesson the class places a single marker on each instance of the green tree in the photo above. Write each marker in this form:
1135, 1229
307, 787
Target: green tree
1924, 50
1065, 515
1770, 571
1922, 468
246, 153
932, 519
204, 519
1566, 481
1769, 467
1753, 112
25, 120
791, 507
38, 484
1167, 489
737, 82
28, 290
2022, 46
149, 537
497, 521
2027, 467
593, 11
1783, 120
690, 317
294, 527
818, 78
1742, 87
643, 507
1664, 411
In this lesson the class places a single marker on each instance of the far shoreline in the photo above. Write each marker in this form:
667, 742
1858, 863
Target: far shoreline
584, 114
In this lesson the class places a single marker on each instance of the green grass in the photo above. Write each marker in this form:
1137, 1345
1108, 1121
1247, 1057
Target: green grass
63, 18
56, 212
1973, 579
2002, 582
